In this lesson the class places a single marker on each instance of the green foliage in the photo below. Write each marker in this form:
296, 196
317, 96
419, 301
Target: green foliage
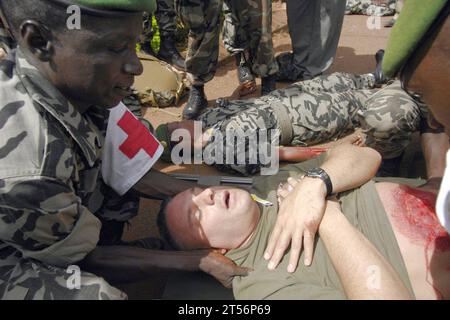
156, 40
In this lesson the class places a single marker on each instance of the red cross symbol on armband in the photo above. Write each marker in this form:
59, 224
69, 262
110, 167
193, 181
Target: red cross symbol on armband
138, 137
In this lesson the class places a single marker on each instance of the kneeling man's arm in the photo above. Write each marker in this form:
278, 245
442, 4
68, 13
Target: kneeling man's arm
121, 264
357, 261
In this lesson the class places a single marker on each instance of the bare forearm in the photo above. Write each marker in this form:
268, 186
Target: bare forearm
435, 146
120, 264
156, 183
363, 271
350, 166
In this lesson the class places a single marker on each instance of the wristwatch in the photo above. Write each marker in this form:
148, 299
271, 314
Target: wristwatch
321, 174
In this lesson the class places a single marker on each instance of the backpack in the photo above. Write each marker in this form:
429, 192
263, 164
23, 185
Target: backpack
161, 85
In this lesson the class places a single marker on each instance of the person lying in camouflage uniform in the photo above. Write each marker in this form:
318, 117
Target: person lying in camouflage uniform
60, 223
316, 111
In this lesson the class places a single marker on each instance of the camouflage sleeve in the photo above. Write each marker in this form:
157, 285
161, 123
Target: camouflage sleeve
44, 219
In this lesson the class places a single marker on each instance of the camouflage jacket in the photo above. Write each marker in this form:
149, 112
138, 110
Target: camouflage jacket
50, 180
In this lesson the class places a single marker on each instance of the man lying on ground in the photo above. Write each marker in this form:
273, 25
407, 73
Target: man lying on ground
379, 241
307, 113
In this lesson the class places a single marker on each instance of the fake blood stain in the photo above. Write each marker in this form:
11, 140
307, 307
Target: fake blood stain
415, 217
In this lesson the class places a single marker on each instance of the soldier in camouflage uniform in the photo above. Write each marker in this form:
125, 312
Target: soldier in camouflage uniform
371, 8
252, 22
247, 35
320, 110
166, 18
55, 209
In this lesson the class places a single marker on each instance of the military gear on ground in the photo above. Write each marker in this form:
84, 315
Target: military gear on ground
416, 18
160, 85
196, 104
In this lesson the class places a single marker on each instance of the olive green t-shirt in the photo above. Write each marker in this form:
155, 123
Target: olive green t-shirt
361, 206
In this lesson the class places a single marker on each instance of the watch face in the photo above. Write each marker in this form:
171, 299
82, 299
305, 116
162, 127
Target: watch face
314, 173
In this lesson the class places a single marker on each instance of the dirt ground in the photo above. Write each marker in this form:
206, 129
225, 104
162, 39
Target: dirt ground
357, 46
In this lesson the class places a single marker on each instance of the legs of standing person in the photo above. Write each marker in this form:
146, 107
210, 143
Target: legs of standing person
325, 36
301, 16
235, 40
202, 17
247, 34
166, 17
315, 28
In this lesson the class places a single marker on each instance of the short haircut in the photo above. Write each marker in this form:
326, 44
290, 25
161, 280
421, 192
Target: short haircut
164, 231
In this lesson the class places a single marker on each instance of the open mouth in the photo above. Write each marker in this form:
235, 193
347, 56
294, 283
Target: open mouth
227, 199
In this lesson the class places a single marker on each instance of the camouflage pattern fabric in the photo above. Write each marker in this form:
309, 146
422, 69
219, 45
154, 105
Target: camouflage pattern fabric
247, 27
389, 117
165, 17
322, 109
52, 196
369, 8
202, 18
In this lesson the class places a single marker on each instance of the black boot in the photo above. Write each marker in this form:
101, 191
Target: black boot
169, 53
196, 104
247, 83
268, 84
380, 78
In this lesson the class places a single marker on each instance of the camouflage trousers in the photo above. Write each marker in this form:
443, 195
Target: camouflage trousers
367, 7
202, 18
247, 28
320, 110
165, 17
28, 279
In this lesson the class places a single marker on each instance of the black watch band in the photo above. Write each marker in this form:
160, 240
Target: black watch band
321, 174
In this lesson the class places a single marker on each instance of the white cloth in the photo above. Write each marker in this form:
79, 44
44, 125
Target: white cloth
443, 200
130, 150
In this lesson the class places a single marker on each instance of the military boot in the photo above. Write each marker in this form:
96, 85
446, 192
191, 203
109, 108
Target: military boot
380, 78
169, 53
268, 84
247, 83
196, 104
